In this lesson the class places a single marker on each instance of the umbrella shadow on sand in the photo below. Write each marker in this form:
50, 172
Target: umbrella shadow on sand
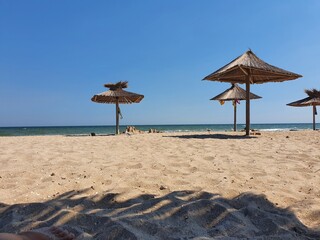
173, 215
211, 136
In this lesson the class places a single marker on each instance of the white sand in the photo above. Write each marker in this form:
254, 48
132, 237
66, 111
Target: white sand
164, 186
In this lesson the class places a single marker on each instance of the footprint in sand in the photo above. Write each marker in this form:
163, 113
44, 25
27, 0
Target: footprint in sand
209, 158
181, 182
107, 182
135, 166
180, 165
192, 170
9, 186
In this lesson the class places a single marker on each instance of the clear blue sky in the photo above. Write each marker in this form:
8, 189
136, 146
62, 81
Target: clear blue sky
55, 55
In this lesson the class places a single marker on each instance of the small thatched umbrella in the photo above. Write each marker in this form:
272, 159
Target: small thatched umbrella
117, 95
234, 94
250, 69
313, 100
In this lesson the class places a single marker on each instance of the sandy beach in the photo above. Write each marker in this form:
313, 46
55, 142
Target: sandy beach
164, 185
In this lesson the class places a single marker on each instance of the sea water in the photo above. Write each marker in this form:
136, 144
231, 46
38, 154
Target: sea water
106, 130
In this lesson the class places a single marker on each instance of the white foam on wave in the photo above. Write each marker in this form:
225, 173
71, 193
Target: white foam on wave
280, 129
275, 130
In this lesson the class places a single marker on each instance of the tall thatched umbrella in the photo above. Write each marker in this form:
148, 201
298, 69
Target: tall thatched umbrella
313, 100
250, 69
117, 95
234, 93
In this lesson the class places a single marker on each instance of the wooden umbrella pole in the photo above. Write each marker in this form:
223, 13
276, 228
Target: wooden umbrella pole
248, 106
235, 116
314, 117
117, 116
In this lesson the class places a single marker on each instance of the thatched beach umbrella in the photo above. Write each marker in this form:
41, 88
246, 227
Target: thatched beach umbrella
234, 94
313, 100
250, 69
117, 95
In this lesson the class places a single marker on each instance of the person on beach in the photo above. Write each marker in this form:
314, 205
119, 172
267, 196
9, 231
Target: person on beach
52, 233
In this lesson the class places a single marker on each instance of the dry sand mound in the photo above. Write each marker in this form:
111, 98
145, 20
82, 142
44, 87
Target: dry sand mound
177, 215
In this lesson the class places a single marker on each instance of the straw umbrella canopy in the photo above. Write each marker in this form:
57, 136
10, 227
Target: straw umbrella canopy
117, 95
313, 100
249, 69
234, 93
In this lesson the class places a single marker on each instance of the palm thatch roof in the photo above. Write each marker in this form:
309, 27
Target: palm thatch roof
234, 93
237, 71
116, 93
249, 69
115, 86
312, 100
314, 93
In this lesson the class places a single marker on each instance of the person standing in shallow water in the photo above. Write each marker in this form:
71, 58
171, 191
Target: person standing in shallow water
53, 233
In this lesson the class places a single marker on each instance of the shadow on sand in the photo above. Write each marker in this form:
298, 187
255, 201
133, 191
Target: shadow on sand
212, 136
176, 215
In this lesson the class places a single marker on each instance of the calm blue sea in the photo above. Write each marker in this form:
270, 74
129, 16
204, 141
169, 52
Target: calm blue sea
86, 130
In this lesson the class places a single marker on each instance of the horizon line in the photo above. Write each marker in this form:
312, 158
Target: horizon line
169, 124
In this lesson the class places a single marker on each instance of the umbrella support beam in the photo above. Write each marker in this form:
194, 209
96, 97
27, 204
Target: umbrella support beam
235, 115
248, 106
314, 117
117, 117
